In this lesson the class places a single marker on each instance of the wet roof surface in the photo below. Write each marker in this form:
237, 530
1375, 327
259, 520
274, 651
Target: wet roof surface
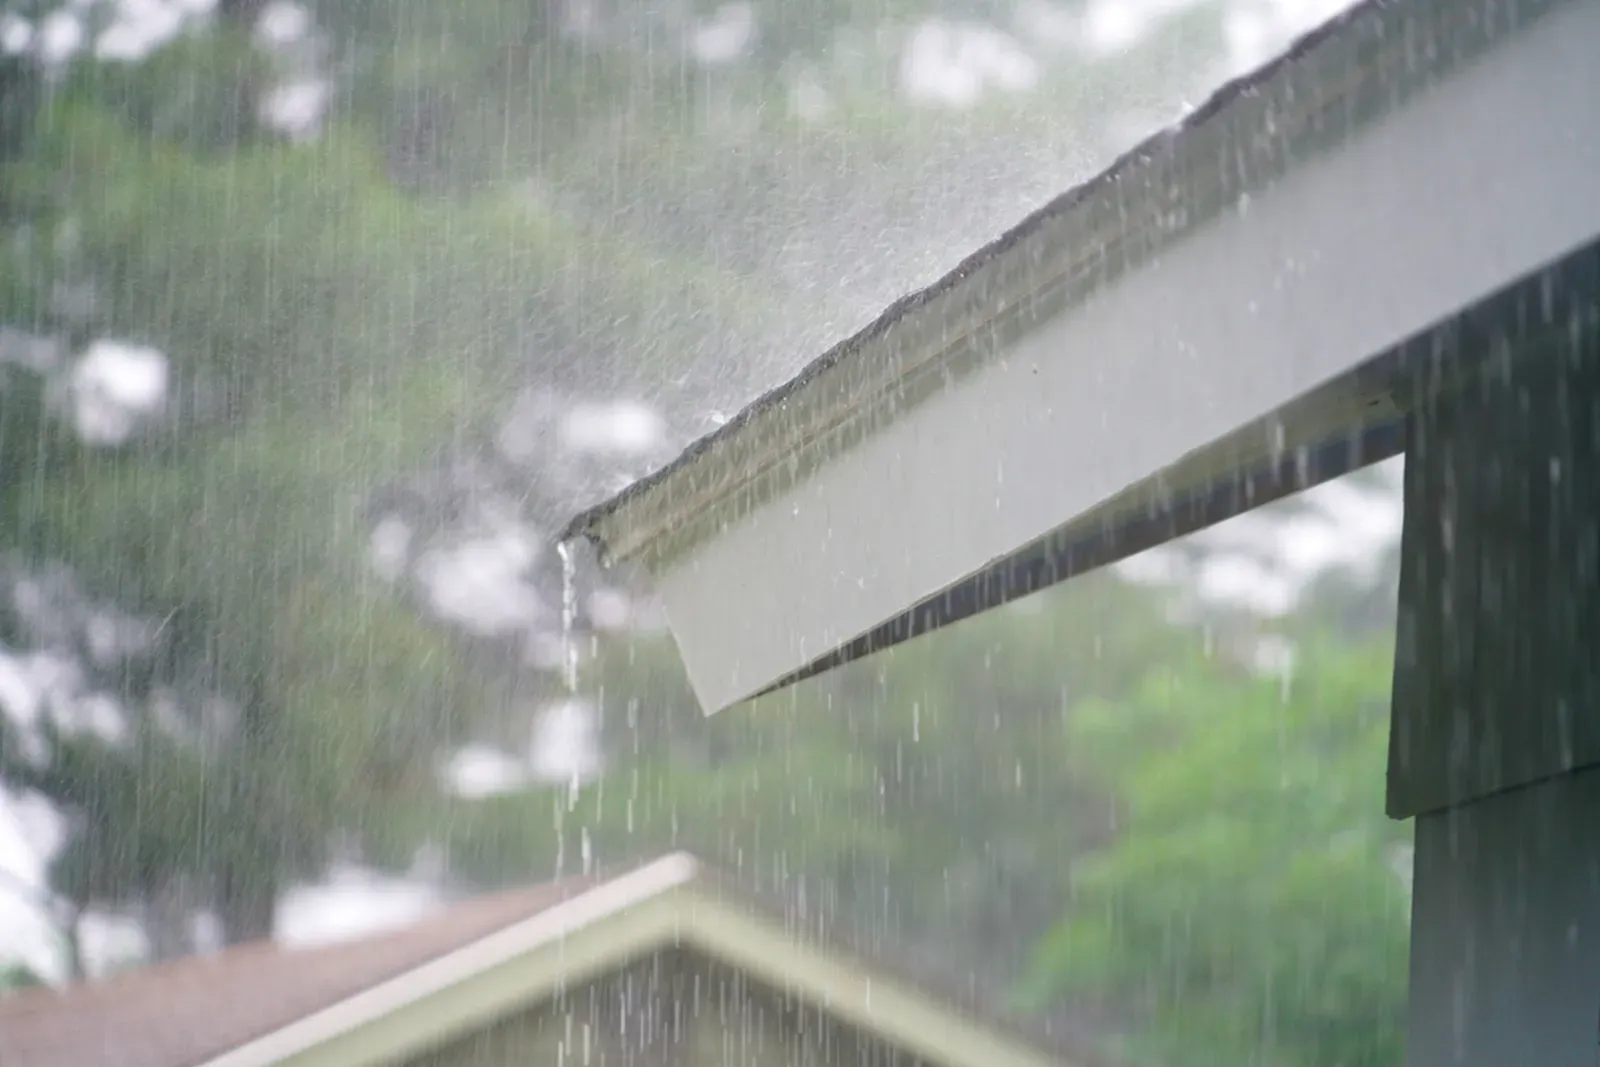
1162, 143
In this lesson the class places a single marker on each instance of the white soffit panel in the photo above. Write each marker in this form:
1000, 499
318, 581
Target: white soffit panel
1216, 301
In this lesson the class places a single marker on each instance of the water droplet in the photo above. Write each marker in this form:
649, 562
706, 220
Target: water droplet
569, 615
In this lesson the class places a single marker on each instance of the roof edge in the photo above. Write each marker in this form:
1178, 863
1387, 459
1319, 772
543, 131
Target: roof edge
746, 451
583, 910
681, 901
853, 990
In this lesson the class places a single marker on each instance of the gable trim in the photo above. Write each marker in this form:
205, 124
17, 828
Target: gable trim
898, 1013
468, 987
657, 906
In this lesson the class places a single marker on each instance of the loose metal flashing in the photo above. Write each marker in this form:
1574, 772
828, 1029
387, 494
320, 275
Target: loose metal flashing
1221, 318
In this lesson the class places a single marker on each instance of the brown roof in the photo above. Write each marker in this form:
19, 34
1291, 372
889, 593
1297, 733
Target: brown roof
186, 1012
189, 1011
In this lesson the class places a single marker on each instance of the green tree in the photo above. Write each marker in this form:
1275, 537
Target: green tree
922, 793
327, 334
1250, 903
14, 977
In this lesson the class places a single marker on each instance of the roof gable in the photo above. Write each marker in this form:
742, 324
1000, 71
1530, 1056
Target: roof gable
382, 999
188, 1011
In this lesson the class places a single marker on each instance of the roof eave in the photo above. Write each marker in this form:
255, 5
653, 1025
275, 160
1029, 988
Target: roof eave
1239, 281
1113, 223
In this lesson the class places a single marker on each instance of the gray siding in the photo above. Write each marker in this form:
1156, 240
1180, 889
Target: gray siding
1505, 942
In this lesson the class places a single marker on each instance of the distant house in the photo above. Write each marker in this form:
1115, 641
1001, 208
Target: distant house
663, 966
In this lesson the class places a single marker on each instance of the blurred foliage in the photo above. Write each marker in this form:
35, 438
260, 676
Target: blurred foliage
326, 332
1251, 899
14, 977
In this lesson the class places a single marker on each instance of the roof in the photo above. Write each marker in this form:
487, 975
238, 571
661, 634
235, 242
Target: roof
376, 999
740, 431
1218, 312
187, 1011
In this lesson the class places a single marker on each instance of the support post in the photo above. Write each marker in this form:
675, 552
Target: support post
1495, 739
